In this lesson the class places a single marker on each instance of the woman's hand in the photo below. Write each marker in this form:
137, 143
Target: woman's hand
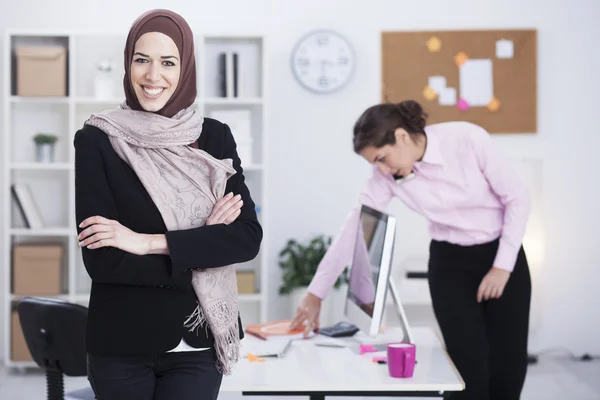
492, 285
226, 210
307, 314
102, 232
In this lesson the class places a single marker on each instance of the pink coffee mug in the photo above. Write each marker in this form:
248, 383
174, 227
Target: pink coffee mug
401, 359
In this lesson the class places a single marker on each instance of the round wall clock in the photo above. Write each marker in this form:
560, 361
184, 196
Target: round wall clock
323, 61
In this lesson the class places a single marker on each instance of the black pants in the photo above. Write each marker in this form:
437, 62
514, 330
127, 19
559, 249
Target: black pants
182, 376
487, 341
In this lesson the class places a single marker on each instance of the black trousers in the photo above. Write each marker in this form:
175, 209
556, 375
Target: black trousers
487, 341
179, 375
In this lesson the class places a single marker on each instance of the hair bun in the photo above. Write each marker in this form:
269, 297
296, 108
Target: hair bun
412, 112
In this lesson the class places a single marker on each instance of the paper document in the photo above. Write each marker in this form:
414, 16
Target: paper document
504, 48
448, 97
437, 83
476, 82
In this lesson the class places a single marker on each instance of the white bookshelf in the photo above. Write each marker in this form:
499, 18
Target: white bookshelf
52, 184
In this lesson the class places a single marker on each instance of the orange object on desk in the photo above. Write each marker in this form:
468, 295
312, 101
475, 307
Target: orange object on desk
253, 358
275, 328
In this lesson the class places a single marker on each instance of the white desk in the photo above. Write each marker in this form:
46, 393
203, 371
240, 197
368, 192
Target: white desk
315, 371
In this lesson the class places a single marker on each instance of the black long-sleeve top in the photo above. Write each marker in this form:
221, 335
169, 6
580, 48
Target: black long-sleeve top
138, 303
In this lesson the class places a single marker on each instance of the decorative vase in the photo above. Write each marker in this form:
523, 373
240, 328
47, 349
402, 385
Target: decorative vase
44, 152
104, 87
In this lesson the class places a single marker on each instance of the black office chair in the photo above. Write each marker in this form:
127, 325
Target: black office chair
55, 334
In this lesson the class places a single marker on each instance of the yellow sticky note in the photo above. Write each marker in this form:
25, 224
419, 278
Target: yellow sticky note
494, 104
429, 93
434, 44
460, 58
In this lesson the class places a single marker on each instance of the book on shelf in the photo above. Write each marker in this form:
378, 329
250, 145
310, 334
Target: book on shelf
229, 74
23, 198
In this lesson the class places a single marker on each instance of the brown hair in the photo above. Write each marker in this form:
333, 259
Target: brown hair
377, 125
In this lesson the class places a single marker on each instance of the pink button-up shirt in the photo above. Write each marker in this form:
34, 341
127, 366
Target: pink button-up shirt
465, 188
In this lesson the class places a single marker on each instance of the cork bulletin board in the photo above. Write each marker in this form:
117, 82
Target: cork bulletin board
486, 77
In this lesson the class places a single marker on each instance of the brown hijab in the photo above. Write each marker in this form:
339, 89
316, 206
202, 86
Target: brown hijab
174, 26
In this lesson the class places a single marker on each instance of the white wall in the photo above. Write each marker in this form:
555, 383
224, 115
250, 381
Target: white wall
315, 177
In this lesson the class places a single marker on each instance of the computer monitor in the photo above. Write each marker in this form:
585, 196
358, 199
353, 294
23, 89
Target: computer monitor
369, 277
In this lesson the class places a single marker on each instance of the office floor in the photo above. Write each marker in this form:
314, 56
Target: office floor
553, 378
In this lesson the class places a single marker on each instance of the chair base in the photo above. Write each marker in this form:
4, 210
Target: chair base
55, 385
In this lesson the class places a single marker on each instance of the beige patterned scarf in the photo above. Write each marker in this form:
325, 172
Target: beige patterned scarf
184, 183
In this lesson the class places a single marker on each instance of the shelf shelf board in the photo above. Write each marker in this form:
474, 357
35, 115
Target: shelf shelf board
248, 298
252, 167
21, 364
18, 297
82, 297
34, 166
232, 101
95, 101
43, 232
39, 100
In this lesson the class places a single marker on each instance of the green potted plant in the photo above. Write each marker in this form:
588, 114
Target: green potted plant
299, 263
44, 146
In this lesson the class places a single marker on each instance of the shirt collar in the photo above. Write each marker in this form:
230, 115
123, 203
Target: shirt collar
433, 154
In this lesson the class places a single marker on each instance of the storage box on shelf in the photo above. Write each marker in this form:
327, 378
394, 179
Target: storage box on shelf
18, 347
86, 71
41, 65
37, 270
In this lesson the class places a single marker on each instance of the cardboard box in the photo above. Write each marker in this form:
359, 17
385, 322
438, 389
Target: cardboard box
246, 282
37, 270
18, 347
41, 71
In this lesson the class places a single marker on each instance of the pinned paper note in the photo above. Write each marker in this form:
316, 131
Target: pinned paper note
494, 105
447, 97
429, 93
476, 82
460, 58
505, 48
434, 44
462, 105
437, 83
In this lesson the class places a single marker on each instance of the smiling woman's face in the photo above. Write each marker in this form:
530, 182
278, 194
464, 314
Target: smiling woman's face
155, 70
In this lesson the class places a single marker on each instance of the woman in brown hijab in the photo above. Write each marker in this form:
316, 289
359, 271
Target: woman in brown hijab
164, 215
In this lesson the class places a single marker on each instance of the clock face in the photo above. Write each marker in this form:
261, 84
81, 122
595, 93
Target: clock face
323, 61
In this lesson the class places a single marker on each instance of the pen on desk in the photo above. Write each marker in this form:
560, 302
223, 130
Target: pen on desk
321, 344
258, 335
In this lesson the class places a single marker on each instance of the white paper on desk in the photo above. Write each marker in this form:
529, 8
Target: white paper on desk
447, 97
437, 83
476, 82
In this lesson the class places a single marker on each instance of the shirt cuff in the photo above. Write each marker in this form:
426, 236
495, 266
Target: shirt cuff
320, 287
506, 257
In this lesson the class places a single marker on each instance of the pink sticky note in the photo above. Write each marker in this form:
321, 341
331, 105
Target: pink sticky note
462, 105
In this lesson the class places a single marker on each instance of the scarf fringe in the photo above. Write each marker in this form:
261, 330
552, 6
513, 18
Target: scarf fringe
226, 344
196, 320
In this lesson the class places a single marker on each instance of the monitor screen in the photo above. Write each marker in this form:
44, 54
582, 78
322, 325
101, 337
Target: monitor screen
369, 272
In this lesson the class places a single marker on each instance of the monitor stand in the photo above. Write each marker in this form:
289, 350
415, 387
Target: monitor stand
408, 337
392, 334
